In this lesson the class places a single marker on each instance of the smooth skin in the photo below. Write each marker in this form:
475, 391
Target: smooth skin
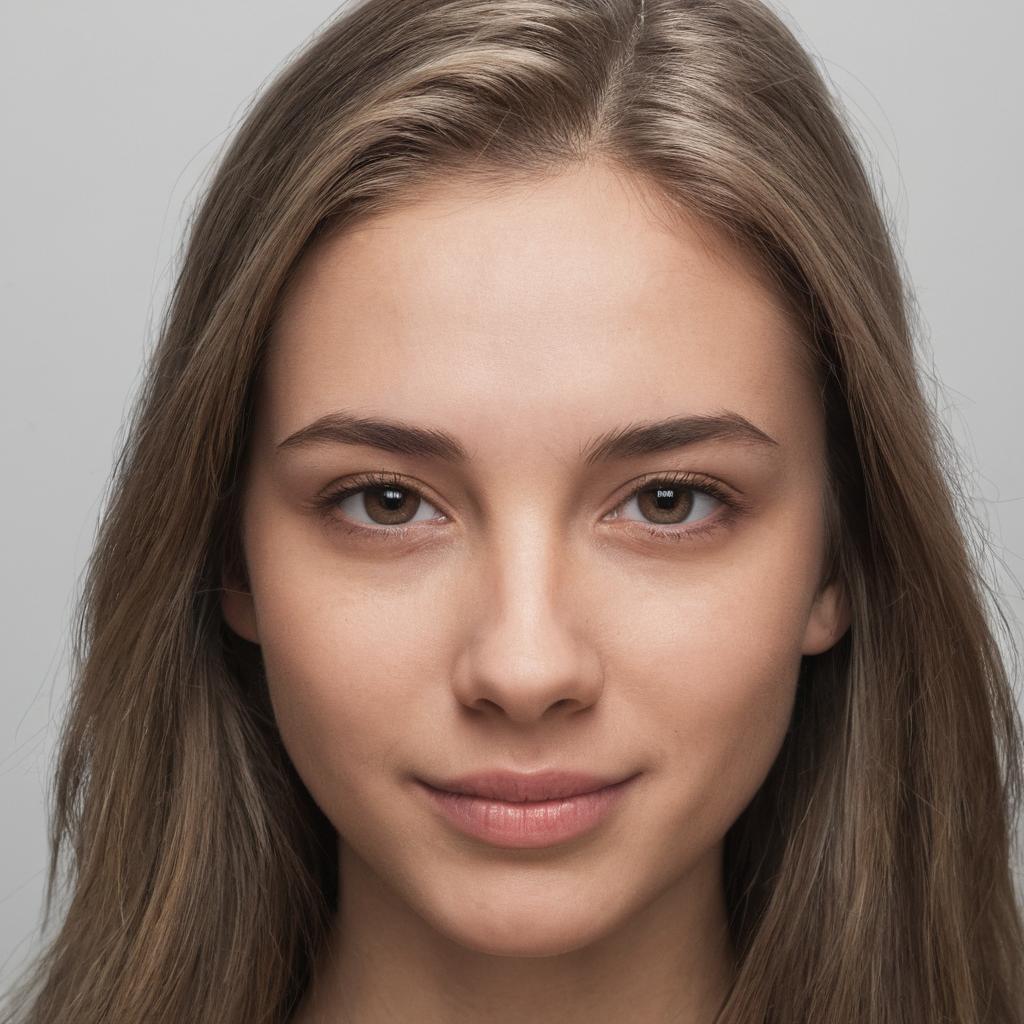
526, 620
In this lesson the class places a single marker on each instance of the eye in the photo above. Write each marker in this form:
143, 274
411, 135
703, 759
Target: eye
674, 500
381, 506
376, 500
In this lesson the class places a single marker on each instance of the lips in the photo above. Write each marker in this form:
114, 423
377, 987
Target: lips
515, 810
517, 787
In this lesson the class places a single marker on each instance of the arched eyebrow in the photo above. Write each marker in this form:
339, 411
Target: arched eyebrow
629, 441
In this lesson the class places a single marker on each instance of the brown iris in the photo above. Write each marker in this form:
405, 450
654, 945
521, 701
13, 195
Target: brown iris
398, 504
665, 504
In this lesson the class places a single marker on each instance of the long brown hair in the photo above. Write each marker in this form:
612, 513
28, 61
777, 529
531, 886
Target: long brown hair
870, 878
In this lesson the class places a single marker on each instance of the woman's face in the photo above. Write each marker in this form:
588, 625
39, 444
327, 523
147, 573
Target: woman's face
524, 596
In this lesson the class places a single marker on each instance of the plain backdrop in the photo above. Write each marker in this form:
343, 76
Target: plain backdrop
113, 115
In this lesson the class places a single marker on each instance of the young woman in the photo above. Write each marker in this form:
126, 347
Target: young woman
534, 588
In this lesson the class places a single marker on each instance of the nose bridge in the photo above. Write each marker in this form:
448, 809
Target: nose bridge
527, 574
527, 648
525, 559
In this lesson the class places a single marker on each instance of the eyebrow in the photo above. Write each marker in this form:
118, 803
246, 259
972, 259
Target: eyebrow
630, 441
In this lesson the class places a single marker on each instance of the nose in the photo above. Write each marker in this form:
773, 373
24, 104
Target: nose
528, 653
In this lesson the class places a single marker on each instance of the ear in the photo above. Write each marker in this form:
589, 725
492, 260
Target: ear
238, 608
829, 619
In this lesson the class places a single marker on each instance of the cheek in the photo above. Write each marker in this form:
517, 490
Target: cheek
714, 660
337, 703
349, 656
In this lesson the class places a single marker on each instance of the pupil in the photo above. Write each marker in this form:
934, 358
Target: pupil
665, 497
392, 498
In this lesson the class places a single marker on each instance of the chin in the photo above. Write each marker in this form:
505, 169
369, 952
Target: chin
515, 927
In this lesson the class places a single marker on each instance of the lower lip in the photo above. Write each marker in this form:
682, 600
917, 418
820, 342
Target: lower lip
527, 824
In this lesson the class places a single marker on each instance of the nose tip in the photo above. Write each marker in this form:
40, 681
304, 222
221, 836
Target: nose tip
524, 679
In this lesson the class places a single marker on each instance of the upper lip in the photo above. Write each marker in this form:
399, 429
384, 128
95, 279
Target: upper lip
518, 786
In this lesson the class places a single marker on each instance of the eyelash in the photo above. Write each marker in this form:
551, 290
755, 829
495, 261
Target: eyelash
734, 507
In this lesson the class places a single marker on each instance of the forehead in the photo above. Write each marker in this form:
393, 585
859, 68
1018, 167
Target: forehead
570, 298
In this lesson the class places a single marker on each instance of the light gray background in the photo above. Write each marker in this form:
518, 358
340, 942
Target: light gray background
113, 113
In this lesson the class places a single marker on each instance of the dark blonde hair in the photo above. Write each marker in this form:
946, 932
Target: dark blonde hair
869, 880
